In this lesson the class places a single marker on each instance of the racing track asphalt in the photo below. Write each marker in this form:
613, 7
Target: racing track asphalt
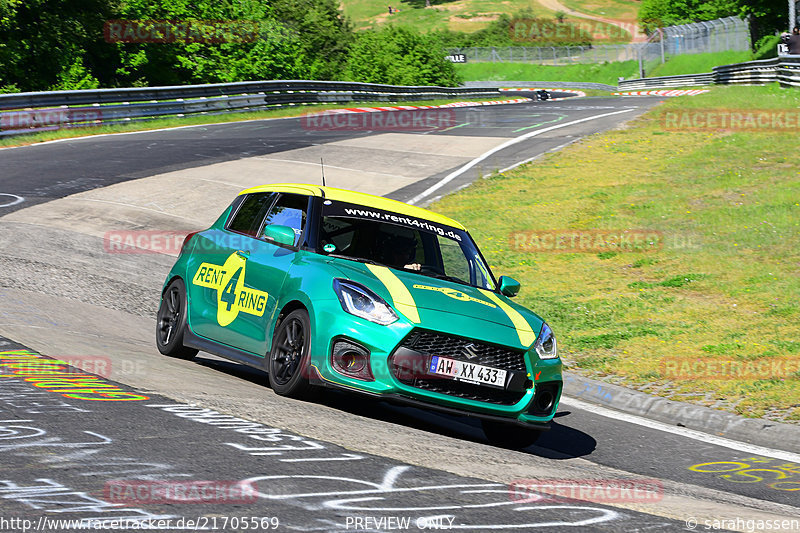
64, 295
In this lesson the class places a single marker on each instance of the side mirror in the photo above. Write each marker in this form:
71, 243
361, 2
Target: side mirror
279, 234
508, 286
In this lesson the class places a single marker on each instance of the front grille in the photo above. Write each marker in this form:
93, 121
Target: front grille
432, 343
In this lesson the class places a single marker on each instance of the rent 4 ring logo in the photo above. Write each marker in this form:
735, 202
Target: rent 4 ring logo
232, 296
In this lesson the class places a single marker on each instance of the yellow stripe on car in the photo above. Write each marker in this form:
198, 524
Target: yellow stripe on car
403, 301
359, 198
526, 334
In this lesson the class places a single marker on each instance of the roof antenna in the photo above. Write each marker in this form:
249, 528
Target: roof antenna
322, 165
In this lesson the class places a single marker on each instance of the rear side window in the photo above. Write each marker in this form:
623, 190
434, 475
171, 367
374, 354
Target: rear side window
290, 210
248, 217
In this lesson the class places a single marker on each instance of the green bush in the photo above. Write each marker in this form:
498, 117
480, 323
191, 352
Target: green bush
767, 47
399, 56
60, 44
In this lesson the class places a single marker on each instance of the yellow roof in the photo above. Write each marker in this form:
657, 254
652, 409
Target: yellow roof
360, 198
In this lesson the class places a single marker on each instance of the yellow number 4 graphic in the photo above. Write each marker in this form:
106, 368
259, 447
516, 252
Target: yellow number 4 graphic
232, 295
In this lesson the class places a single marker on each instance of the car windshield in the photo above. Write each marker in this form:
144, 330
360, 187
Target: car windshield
402, 242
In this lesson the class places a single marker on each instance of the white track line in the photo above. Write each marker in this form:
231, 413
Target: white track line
453, 175
751, 449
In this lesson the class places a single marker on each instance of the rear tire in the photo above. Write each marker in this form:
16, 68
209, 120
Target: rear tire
290, 356
171, 322
508, 435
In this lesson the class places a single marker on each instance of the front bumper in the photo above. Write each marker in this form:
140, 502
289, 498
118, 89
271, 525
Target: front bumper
527, 405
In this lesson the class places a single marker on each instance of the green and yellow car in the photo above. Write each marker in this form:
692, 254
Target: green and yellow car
323, 287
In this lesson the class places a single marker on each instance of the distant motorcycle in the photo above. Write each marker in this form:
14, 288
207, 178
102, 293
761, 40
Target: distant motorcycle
541, 94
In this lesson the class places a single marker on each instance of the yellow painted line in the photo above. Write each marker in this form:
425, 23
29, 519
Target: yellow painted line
526, 334
401, 297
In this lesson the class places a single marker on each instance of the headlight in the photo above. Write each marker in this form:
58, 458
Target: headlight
545, 344
362, 302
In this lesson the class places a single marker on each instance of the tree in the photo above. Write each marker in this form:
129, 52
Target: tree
766, 16
399, 56
46, 43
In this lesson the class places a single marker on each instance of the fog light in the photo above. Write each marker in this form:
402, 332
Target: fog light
544, 401
545, 398
351, 360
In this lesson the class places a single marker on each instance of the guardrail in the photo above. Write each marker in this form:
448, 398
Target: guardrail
668, 81
751, 72
42, 111
784, 69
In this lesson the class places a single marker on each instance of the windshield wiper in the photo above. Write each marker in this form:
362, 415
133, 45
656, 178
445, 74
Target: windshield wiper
446, 278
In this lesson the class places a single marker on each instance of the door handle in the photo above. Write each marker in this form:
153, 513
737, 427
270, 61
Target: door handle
243, 253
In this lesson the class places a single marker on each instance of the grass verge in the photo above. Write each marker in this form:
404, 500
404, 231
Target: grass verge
599, 73
200, 119
698, 63
721, 288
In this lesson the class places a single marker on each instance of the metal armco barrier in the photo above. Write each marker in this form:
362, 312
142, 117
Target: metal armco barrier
783, 69
42, 111
667, 81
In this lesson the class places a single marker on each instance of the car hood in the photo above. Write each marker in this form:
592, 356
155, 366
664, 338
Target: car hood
425, 300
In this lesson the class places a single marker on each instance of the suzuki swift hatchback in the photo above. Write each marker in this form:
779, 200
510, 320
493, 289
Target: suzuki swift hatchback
322, 287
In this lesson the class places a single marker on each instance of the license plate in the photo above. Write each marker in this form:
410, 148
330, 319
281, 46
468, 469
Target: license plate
469, 372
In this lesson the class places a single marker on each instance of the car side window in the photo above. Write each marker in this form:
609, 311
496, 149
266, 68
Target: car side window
248, 217
290, 210
453, 259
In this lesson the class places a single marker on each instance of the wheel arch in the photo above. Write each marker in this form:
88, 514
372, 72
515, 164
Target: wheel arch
292, 305
170, 280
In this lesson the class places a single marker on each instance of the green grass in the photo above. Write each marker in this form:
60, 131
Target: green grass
698, 63
473, 15
459, 15
191, 120
599, 73
626, 10
724, 285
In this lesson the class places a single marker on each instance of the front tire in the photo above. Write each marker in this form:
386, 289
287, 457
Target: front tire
171, 322
289, 357
509, 436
